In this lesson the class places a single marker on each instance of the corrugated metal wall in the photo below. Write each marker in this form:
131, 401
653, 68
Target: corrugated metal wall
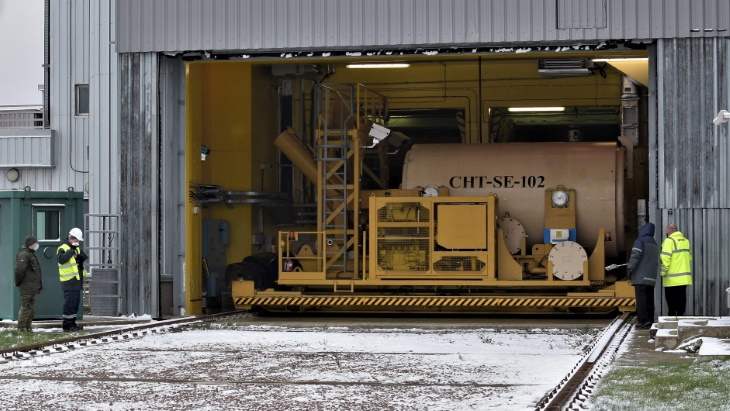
69, 151
180, 25
103, 119
87, 148
693, 160
26, 148
139, 181
173, 186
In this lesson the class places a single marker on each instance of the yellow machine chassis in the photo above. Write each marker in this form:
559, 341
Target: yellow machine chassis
410, 281
601, 302
496, 287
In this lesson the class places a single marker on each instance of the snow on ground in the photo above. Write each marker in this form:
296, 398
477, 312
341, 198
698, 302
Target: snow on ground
715, 346
259, 367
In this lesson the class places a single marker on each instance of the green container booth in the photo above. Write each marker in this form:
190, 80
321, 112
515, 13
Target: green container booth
48, 215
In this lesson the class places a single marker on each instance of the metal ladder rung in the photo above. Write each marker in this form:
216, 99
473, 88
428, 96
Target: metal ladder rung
332, 144
333, 131
327, 159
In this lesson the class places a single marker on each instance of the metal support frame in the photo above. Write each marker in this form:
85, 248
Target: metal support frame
103, 234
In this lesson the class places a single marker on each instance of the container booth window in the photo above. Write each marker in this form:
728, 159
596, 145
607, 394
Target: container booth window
47, 222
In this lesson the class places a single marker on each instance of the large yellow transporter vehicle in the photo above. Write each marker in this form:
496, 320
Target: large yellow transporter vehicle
436, 246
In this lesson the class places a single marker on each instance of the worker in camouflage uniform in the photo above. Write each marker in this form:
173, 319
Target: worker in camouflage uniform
28, 280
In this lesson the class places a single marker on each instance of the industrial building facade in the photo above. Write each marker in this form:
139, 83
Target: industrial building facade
187, 95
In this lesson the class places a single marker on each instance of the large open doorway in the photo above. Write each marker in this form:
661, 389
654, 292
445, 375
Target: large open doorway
243, 191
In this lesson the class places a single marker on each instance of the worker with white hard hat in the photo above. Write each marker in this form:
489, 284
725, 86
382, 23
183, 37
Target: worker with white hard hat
71, 273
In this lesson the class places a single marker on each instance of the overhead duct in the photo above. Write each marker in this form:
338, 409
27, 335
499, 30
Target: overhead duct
564, 67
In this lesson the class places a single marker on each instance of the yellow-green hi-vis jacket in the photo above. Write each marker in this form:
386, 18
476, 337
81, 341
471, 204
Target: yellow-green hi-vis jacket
676, 261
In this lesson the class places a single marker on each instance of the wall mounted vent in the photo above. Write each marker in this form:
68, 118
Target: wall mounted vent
564, 67
293, 69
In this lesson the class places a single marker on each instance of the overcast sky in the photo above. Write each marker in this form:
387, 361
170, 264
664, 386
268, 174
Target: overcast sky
21, 52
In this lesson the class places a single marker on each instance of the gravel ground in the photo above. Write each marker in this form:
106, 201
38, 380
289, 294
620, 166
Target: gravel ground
306, 366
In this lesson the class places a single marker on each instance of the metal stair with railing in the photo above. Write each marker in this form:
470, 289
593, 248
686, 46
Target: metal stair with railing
336, 147
345, 113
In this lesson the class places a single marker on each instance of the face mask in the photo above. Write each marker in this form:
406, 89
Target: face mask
75, 244
37, 246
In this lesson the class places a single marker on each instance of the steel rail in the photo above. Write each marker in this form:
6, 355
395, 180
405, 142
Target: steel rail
573, 390
64, 344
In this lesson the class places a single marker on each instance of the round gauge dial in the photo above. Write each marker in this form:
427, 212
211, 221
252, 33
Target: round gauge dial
430, 191
560, 198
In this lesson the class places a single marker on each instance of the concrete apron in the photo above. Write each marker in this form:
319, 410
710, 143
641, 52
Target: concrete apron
708, 337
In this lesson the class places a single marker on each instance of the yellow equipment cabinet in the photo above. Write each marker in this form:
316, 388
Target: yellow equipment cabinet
432, 238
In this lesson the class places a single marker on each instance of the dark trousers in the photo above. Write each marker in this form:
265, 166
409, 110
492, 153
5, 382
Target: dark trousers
644, 304
676, 299
26, 311
71, 300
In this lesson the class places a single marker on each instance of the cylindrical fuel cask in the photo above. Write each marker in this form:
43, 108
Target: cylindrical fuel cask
519, 173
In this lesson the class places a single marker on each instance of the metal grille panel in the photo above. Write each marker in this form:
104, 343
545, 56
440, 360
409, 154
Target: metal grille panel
403, 255
460, 264
404, 212
411, 232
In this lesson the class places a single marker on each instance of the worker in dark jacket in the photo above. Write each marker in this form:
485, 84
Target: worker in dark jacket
71, 273
28, 280
643, 268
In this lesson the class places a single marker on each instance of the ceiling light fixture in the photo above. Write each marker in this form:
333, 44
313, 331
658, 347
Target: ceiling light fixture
378, 65
534, 109
609, 60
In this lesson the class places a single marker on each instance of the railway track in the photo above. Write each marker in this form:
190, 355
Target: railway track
573, 390
65, 344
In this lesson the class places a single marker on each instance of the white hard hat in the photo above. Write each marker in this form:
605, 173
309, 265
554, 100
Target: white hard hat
75, 232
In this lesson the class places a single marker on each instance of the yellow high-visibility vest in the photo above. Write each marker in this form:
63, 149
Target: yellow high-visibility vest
70, 269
